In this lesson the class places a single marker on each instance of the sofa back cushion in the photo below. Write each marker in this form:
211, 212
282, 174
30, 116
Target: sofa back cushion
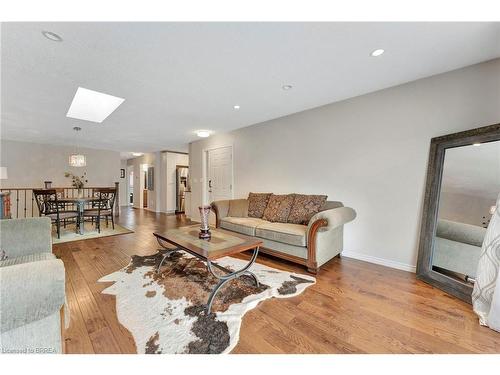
329, 205
278, 208
238, 208
305, 207
257, 203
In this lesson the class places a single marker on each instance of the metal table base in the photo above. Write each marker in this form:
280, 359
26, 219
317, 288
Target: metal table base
223, 279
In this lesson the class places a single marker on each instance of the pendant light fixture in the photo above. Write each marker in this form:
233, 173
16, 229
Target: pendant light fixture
76, 159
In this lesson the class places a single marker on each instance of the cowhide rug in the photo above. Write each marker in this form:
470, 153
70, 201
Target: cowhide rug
165, 311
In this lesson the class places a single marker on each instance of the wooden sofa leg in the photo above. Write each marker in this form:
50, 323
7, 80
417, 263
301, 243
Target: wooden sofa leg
312, 267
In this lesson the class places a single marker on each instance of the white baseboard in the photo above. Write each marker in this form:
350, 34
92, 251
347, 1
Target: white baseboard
380, 261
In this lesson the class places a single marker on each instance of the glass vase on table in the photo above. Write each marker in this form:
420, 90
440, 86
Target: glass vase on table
204, 227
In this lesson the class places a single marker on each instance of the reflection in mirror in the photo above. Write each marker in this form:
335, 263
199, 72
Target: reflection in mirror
469, 187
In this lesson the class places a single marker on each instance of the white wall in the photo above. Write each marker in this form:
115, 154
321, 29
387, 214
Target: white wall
123, 184
369, 152
30, 164
465, 208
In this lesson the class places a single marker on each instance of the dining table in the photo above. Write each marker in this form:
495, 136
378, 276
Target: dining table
80, 203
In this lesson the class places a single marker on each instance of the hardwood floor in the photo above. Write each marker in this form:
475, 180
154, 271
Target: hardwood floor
355, 307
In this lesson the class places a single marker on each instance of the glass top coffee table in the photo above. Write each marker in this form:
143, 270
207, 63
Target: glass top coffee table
222, 243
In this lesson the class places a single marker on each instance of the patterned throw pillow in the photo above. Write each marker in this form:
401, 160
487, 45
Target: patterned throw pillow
257, 203
278, 208
305, 207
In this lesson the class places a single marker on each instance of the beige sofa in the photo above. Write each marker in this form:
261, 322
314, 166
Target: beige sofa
311, 245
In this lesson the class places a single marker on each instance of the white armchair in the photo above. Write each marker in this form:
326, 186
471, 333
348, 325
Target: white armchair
32, 288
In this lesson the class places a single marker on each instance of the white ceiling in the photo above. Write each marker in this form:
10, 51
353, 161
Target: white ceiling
473, 170
180, 77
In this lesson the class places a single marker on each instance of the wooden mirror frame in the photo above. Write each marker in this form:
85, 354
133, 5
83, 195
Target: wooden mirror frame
437, 151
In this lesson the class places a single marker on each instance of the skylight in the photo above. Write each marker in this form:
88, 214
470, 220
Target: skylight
92, 105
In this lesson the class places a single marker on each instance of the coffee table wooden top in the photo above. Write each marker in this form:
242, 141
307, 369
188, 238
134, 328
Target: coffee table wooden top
222, 243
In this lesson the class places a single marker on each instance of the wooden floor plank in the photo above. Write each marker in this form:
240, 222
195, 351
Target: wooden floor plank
93, 270
354, 307
93, 319
76, 336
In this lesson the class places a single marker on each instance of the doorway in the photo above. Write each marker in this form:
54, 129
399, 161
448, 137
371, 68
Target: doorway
130, 185
145, 181
181, 178
219, 173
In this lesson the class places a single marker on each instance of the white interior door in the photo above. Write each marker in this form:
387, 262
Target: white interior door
220, 173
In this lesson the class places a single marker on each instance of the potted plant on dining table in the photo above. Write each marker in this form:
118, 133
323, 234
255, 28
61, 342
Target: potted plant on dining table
77, 182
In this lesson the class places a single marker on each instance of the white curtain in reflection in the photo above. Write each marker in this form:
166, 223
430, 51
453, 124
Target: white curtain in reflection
486, 293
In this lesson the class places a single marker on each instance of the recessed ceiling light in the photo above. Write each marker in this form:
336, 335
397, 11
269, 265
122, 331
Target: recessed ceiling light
52, 36
286, 87
377, 52
236, 107
137, 154
203, 133
476, 144
92, 105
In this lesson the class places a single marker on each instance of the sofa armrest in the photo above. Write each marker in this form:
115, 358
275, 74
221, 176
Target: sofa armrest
25, 236
221, 210
334, 217
30, 292
324, 235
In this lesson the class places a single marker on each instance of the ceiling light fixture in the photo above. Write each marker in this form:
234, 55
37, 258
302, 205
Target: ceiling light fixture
477, 144
236, 107
52, 36
377, 52
137, 153
92, 105
286, 87
203, 133
76, 159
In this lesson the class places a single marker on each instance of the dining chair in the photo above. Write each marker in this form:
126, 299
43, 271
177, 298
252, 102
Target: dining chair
64, 206
48, 205
103, 207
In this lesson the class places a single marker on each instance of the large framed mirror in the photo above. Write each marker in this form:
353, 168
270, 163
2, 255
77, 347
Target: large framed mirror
463, 182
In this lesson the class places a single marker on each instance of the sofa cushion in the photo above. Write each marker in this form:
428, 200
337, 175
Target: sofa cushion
292, 234
305, 207
238, 208
257, 203
26, 259
278, 208
243, 225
